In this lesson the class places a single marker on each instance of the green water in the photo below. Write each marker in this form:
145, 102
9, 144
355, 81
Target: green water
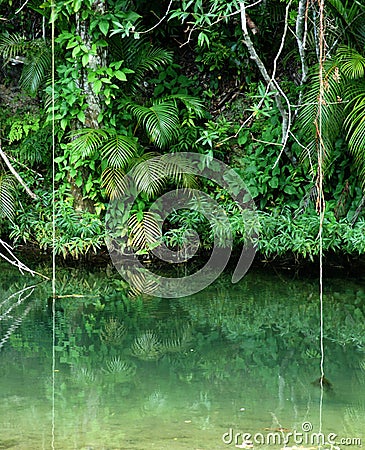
188, 373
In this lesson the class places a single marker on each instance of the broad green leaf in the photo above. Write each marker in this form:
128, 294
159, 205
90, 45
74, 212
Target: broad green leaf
81, 116
97, 86
120, 75
104, 27
85, 59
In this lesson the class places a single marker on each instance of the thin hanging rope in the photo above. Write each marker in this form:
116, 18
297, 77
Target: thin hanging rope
321, 201
53, 234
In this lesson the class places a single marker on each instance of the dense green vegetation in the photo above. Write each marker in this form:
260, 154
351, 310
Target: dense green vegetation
138, 79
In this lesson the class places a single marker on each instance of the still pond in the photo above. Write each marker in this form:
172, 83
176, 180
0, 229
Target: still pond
234, 366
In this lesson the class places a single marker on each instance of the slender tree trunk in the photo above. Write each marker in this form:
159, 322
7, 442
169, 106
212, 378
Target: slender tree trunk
300, 32
95, 62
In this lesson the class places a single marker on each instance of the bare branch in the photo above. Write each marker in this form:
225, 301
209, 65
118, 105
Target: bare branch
23, 5
160, 21
14, 261
272, 84
15, 173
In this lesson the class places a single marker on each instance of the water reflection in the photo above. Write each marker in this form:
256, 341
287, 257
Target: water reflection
152, 373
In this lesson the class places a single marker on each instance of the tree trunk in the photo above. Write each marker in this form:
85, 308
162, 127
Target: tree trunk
93, 110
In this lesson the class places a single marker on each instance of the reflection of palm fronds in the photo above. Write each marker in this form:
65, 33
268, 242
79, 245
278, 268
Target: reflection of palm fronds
214, 371
113, 331
362, 365
176, 343
173, 345
361, 372
139, 283
5, 311
354, 420
147, 346
155, 402
85, 376
124, 369
203, 402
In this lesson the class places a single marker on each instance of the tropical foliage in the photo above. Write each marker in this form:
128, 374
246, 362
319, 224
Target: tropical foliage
239, 81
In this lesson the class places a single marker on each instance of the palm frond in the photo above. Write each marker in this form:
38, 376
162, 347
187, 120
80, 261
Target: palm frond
36, 66
127, 49
139, 56
352, 63
160, 121
11, 46
331, 114
35, 54
7, 197
145, 232
114, 182
147, 171
350, 18
355, 126
179, 169
192, 104
118, 150
151, 59
86, 141
150, 176
152, 173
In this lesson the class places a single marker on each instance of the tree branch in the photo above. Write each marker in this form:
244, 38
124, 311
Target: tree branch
160, 21
15, 173
14, 261
24, 4
272, 84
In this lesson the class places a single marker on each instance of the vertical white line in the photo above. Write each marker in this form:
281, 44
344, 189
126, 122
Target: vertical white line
53, 233
321, 201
